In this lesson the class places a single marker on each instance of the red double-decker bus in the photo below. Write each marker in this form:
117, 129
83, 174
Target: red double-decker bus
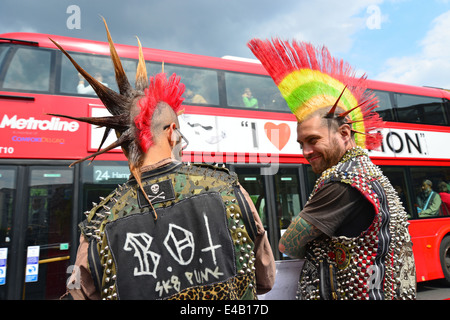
42, 199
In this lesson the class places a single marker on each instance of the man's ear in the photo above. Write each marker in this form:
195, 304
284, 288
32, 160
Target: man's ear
172, 134
345, 131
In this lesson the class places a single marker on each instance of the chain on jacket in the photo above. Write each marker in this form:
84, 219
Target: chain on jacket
379, 263
191, 185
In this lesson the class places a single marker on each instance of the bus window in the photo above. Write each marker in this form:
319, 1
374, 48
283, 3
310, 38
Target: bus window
7, 192
7, 189
253, 183
420, 109
430, 198
287, 197
3, 51
384, 105
97, 66
49, 208
100, 178
29, 69
397, 177
201, 84
311, 179
49, 227
255, 92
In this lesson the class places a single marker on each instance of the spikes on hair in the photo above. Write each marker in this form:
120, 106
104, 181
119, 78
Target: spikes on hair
333, 108
113, 145
132, 131
310, 79
141, 73
113, 101
121, 78
349, 122
346, 113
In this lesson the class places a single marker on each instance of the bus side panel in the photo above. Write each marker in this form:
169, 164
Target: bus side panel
29, 132
426, 236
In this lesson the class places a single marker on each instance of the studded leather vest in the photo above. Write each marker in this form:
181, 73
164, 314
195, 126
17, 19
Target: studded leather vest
200, 246
379, 263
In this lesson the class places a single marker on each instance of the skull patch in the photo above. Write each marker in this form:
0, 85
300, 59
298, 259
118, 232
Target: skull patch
154, 188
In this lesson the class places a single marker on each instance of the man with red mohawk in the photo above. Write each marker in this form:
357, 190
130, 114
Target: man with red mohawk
173, 230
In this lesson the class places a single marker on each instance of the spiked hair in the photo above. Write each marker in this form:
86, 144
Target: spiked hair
310, 78
160, 90
131, 109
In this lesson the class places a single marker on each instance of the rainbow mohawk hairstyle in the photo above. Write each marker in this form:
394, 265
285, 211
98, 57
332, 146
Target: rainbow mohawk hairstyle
132, 108
310, 78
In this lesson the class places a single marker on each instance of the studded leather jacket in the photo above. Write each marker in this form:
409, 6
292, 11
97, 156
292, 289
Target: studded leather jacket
200, 246
377, 264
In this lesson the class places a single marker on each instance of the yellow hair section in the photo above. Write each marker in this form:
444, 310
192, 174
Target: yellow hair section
304, 103
315, 103
300, 77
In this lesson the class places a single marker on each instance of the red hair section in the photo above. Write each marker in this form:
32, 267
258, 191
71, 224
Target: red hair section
160, 89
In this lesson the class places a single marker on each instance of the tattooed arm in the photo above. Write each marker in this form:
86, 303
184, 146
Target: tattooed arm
334, 206
297, 235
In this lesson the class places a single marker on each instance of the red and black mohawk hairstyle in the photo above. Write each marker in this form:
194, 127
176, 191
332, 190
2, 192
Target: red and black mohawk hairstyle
161, 89
131, 109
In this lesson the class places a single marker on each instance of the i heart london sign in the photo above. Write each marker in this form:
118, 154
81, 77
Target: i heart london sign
278, 134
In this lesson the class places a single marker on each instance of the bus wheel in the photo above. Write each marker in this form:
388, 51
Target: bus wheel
444, 253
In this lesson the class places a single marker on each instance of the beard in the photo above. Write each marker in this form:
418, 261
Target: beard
328, 158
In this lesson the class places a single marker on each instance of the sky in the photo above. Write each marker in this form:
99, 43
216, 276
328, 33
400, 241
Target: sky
402, 41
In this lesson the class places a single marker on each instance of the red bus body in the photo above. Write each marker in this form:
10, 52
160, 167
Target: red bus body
28, 132
427, 236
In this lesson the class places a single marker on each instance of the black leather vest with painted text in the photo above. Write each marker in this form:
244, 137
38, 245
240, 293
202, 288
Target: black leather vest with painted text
199, 247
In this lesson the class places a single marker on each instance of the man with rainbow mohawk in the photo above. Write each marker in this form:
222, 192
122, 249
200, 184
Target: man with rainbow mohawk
353, 231
173, 230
